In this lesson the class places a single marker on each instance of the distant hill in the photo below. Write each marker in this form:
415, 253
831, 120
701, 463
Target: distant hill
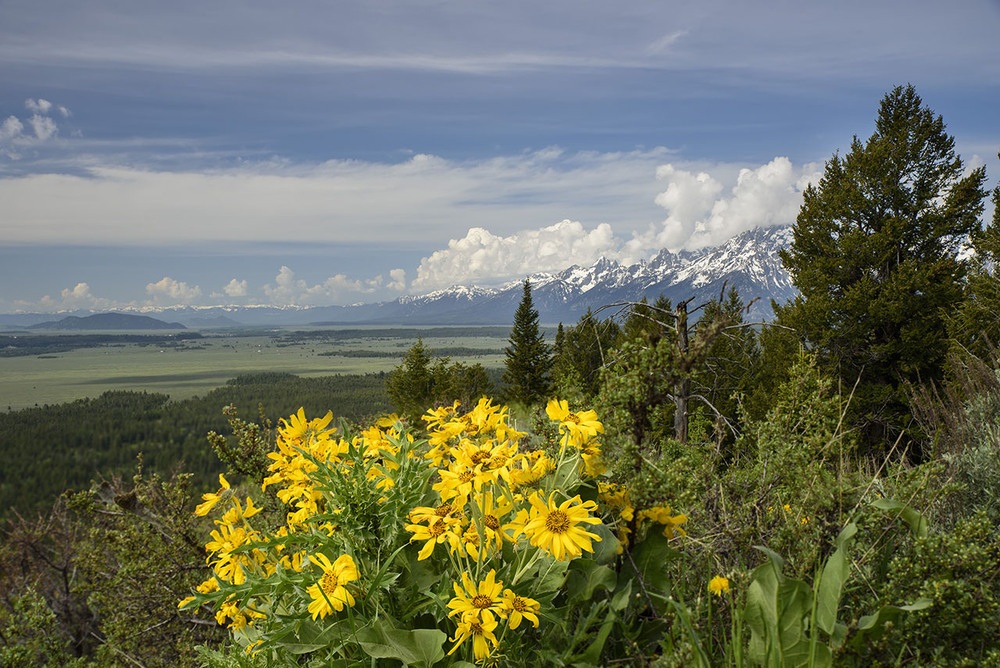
107, 321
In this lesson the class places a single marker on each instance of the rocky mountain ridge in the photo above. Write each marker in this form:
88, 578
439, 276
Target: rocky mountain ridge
748, 262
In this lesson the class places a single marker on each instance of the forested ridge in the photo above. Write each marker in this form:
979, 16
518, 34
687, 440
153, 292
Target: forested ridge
50, 449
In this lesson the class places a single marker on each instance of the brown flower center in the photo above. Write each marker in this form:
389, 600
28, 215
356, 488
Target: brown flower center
491, 522
329, 582
557, 522
519, 604
482, 602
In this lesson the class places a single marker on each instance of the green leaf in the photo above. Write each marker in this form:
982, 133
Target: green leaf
605, 551
650, 559
917, 522
622, 597
775, 611
831, 580
310, 637
587, 576
420, 647
871, 627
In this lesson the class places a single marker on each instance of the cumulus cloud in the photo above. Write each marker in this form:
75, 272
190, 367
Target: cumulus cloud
43, 128
235, 288
78, 297
11, 128
38, 106
701, 211
287, 289
169, 292
397, 280
483, 256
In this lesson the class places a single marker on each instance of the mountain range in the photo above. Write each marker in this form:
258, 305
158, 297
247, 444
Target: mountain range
748, 262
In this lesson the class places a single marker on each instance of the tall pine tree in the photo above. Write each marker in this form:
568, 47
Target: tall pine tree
876, 258
528, 365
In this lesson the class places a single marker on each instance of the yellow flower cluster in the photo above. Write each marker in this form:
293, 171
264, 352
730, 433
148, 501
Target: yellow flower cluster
482, 478
236, 550
490, 493
229, 561
472, 497
478, 606
661, 515
580, 431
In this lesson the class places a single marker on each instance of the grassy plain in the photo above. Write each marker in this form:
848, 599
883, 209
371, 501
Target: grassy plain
194, 367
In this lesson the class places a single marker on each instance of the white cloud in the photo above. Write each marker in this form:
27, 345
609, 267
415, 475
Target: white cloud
397, 280
336, 289
482, 256
11, 128
701, 212
38, 106
169, 292
236, 288
77, 297
44, 127
419, 200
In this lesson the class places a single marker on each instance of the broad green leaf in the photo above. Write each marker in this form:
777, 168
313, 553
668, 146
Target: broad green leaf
775, 611
917, 522
587, 576
650, 559
831, 580
421, 648
605, 551
871, 627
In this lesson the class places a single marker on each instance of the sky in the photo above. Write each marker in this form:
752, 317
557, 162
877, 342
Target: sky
324, 152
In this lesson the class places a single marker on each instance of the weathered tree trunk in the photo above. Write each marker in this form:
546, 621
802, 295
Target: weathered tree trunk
683, 389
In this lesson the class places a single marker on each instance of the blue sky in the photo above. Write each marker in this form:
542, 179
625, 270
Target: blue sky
334, 152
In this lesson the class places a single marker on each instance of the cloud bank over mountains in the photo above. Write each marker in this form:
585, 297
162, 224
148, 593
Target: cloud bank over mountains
701, 212
698, 205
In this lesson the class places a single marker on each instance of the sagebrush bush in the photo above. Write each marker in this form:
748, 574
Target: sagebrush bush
959, 571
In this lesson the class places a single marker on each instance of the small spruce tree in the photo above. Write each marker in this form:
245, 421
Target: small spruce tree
528, 366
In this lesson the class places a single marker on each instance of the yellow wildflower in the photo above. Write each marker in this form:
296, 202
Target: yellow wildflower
718, 585
520, 607
329, 593
481, 632
481, 601
557, 530
211, 499
661, 515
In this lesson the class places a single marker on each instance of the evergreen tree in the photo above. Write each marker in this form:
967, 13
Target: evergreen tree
411, 384
876, 258
977, 325
581, 352
529, 360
